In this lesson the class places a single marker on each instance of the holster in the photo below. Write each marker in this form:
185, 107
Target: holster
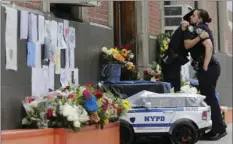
197, 64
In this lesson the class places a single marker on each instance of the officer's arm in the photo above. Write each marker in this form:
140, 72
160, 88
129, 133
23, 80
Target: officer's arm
191, 43
208, 52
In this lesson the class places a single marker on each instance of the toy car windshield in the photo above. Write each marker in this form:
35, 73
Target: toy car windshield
166, 100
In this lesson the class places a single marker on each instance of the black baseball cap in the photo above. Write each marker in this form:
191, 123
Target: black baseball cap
188, 15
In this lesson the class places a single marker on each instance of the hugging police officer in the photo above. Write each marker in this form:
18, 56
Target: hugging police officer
176, 55
207, 67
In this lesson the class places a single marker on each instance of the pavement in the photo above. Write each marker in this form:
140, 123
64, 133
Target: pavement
225, 140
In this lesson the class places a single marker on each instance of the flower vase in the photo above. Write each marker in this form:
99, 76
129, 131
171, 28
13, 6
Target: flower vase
111, 72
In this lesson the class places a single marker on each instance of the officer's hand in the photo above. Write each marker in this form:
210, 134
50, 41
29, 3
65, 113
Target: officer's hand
205, 67
184, 25
204, 35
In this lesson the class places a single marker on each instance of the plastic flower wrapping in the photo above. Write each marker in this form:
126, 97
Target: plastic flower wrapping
73, 107
153, 72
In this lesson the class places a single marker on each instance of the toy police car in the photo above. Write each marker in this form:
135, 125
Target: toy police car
183, 117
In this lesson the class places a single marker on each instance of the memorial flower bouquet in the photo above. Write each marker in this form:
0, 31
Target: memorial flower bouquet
153, 72
186, 87
163, 41
118, 54
72, 107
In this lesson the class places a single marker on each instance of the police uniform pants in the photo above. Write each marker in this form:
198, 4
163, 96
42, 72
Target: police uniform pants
171, 74
207, 84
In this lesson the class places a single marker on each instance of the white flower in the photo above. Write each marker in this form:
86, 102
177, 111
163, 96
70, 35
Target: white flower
33, 104
129, 64
70, 118
153, 79
168, 40
193, 90
83, 118
131, 56
109, 52
104, 49
68, 110
77, 124
185, 89
100, 84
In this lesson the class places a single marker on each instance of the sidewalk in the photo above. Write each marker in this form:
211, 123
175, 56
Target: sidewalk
226, 140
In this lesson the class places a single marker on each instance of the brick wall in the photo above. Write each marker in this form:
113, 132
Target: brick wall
34, 4
95, 14
99, 14
154, 18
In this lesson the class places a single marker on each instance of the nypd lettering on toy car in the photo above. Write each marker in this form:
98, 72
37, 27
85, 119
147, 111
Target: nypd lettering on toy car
154, 118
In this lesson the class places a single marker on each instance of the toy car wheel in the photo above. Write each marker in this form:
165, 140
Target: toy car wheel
126, 133
184, 133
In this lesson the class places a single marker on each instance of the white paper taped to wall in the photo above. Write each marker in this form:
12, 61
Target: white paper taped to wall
11, 38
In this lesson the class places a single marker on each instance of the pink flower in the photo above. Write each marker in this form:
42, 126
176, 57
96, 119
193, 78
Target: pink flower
86, 94
49, 112
49, 97
29, 99
71, 96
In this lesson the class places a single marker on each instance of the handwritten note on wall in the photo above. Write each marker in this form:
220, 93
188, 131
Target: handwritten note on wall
11, 38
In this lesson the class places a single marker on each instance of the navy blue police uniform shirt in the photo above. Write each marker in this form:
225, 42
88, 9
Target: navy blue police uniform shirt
198, 50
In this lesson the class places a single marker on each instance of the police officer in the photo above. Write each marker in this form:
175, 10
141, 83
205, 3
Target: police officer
208, 69
176, 55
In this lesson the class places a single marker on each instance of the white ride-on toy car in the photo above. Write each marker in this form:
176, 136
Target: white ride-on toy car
183, 117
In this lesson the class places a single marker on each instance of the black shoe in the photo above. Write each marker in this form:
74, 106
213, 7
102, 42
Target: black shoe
218, 136
225, 125
206, 136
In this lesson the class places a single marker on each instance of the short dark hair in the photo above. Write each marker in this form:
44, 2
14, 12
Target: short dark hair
204, 15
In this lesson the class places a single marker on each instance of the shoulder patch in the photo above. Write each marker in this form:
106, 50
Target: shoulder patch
190, 28
198, 30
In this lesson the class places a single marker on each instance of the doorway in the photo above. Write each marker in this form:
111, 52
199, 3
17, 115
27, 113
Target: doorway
125, 28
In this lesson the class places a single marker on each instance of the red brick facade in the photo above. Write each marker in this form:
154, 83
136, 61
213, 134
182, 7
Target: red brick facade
100, 14
154, 18
35, 4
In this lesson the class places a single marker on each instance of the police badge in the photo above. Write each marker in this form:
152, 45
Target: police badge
190, 28
198, 31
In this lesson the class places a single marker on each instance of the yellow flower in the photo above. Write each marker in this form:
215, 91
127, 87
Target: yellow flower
124, 52
165, 42
116, 105
126, 104
162, 49
114, 51
106, 121
119, 57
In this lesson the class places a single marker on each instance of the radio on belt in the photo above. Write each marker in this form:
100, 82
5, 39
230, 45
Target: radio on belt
182, 117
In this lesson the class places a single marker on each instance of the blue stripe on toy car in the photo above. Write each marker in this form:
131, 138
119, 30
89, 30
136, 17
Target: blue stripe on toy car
152, 125
155, 110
